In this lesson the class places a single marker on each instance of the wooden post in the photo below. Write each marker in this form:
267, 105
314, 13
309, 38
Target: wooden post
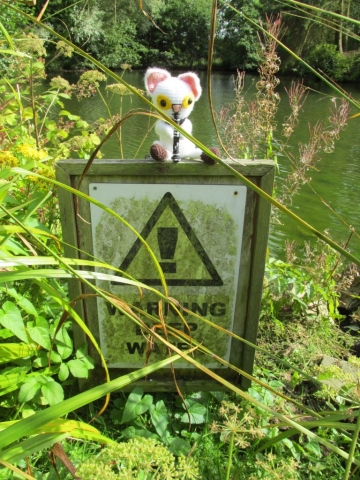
209, 233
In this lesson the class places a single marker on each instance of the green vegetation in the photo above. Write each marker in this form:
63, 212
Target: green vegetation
299, 419
175, 33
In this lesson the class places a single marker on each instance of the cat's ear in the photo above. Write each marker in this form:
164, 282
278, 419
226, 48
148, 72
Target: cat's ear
193, 81
153, 77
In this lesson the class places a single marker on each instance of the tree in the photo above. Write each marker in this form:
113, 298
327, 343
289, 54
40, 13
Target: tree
106, 29
13, 21
181, 35
321, 39
237, 39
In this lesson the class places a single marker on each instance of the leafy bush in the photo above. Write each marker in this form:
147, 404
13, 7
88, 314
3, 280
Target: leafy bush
327, 59
120, 46
45, 350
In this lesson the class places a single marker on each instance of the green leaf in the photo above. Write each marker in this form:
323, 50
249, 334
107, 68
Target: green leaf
29, 389
294, 448
64, 372
81, 354
63, 343
10, 318
11, 119
78, 368
197, 413
38, 65
82, 124
95, 139
31, 445
132, 432
5, 333
41, 336
55, 357
62, 134
4, 187
14, 53
14, 247
314, 448
42, 360
9, 39
22, 302
28, 113
178, 446
51, 125
42, 322
136, 405
52, 392
159, 417
51, 134
69, 115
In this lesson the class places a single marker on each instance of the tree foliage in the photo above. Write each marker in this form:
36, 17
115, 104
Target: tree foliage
179, 35
175, 33
237, 45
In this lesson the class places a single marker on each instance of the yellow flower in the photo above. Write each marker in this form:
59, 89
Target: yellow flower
7, 159
30, 152
41, 184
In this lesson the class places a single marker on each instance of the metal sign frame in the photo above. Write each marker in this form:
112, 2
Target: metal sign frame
167, 180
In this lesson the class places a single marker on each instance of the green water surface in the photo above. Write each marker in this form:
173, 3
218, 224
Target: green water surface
336, 178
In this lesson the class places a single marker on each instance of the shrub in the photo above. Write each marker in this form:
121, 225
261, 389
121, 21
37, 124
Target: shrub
329, 60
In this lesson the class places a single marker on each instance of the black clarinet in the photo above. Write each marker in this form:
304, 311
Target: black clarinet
176, 145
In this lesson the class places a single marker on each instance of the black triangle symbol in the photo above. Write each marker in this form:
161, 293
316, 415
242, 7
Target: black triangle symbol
169, 201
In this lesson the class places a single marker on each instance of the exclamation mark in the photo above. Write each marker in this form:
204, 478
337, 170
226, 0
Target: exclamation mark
167, 240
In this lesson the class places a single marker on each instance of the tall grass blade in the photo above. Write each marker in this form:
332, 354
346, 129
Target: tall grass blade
16, 470
31, 424
319, 9
13, 351
31, 445
352, 449
7, 37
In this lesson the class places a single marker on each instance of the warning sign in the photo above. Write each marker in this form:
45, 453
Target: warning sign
169, 227
195, 232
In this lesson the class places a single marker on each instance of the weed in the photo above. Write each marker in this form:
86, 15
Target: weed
248, 127
138, 459
300, 316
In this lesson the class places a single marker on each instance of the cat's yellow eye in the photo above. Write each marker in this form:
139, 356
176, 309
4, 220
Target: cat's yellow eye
163, 102
188, 100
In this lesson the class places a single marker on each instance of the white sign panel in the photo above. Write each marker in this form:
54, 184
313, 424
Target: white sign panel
195, 232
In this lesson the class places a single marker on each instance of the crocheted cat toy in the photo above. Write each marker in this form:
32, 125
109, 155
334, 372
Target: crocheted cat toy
175, 96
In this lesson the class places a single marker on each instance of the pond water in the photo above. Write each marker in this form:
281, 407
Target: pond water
336, 179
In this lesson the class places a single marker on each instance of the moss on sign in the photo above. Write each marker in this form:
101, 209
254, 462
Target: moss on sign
197, 243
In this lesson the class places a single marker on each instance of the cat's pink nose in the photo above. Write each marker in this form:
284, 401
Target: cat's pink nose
176, 107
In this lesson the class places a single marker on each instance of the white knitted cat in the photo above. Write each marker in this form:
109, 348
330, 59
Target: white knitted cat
176, 97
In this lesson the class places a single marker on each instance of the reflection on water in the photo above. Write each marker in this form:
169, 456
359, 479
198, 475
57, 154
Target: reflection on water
335, 180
